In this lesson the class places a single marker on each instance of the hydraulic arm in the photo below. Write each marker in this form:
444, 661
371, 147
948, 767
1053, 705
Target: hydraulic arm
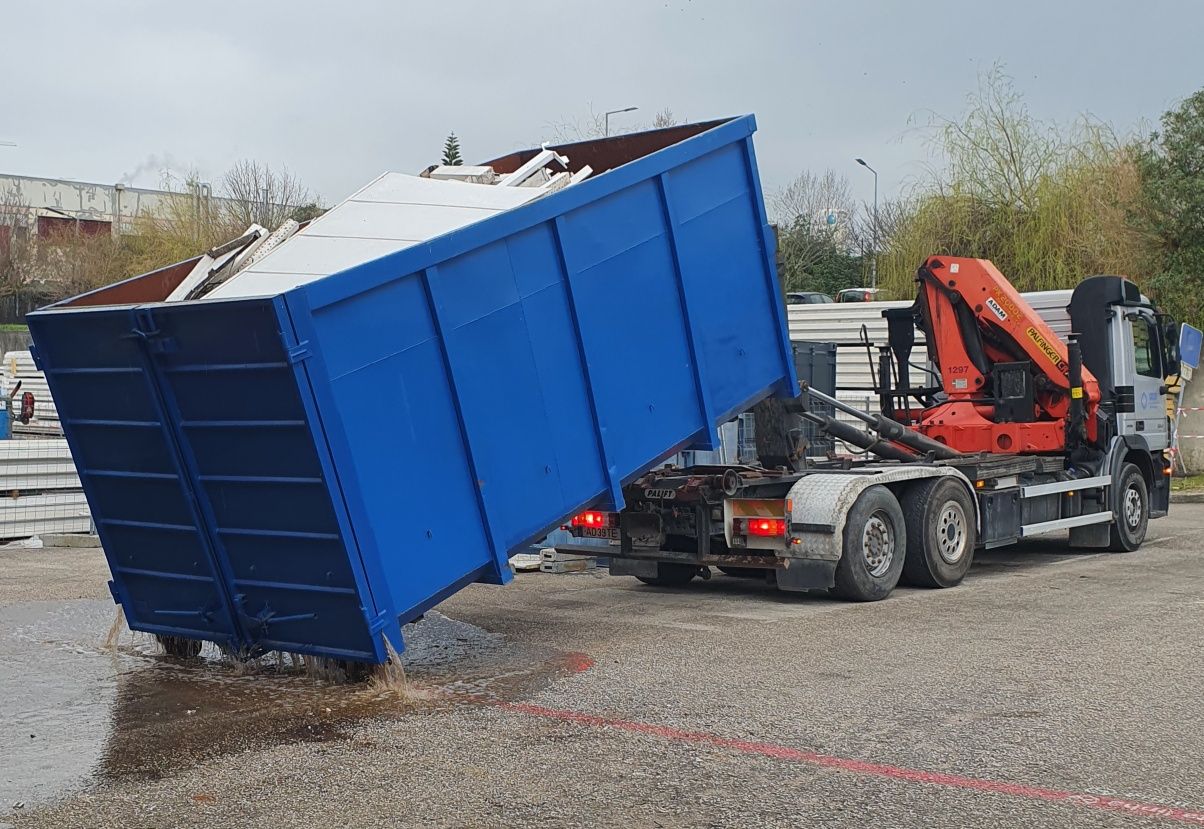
1006, 377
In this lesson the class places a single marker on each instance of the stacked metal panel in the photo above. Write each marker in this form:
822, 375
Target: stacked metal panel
39, 489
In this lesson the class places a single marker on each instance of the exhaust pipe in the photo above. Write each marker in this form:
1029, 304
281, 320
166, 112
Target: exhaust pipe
1076, 422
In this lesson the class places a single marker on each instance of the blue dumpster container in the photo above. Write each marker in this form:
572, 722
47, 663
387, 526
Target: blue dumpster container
311, 470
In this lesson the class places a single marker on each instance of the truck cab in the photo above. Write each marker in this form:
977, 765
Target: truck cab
1131, 349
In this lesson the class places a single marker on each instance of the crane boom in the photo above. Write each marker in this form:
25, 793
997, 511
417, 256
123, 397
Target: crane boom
1004, 372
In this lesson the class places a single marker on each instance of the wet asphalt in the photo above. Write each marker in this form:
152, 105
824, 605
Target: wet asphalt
1052, 688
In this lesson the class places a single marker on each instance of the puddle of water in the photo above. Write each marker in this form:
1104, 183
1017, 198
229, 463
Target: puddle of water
101, 708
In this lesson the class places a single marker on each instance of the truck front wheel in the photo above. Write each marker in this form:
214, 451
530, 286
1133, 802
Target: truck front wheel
1130, 510
940, 533
875, 545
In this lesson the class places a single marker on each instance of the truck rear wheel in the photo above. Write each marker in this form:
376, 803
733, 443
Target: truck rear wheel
1130, 510
875, 546
671, 574
940, 533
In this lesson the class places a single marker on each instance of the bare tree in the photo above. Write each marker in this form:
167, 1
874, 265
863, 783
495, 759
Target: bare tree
578, 128
811, 196
997, 152
665, 118
593, 125
257, 194
816, 215
18, 250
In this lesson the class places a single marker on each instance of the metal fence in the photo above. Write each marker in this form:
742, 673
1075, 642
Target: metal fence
40, 491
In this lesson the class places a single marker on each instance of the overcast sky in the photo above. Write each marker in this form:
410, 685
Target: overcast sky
341, 91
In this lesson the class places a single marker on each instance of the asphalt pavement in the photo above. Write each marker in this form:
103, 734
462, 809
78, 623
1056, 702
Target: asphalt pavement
1052, 688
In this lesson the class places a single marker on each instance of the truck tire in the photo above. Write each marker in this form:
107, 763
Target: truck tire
1131, 510
179, 647
940, 533
874, 547
671, 574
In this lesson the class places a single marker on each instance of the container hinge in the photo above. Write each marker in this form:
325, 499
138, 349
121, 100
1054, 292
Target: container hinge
298, 352
147, 330
378, 624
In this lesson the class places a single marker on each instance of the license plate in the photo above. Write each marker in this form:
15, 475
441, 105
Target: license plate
609, 533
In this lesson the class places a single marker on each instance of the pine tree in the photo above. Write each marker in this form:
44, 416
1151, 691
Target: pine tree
451, 151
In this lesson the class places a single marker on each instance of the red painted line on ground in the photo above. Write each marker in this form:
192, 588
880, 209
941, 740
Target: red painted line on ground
781, 752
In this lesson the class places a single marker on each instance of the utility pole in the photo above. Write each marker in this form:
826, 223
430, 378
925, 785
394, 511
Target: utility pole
606, 118
874, 234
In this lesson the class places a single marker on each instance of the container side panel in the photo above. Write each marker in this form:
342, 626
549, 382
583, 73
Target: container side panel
565, 396
394, 405
353, 339
491, 347
629, 307
719, 246
305, 471
164, 573
252, 450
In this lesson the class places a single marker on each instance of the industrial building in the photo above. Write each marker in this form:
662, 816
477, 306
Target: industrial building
45, 206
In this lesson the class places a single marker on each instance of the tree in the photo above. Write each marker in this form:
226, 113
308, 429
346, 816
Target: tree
1172, 180
1047, 204
593, 125
817, 242
306, 212
664, 118
254, 193
451, 151
17, 246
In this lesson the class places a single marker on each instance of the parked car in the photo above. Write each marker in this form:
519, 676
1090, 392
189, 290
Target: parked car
857, 295
807, 298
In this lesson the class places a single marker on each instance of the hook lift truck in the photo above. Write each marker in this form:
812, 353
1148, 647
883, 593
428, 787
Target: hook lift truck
1023, 434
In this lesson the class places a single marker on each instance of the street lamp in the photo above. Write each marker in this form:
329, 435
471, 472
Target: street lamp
606, 117
874, 261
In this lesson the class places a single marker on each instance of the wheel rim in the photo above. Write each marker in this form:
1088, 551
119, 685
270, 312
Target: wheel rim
878, 543
1134, 509
951, 532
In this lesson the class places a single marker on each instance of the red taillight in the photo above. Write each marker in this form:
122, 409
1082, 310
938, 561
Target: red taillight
591, 518
768, 527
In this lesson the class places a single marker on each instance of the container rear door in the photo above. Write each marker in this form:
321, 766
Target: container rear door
164, 572
245, 474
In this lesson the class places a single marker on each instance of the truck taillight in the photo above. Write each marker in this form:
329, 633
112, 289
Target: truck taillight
591, 518
766, 527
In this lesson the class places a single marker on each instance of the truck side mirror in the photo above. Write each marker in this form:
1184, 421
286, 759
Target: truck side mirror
1170, 348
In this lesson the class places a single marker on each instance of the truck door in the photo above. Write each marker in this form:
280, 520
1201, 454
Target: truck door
1137, 344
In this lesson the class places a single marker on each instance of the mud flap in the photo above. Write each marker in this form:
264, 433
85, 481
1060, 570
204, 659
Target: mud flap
806, 574
638, 567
